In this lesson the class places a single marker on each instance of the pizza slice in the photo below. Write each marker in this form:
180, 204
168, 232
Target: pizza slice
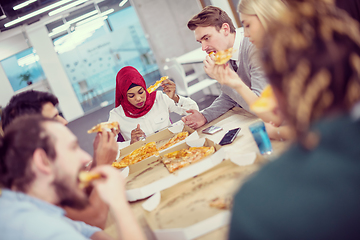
86, 177
157, 84
104, 125
182, 158
137, 155
177, 138
266, 102
221, 57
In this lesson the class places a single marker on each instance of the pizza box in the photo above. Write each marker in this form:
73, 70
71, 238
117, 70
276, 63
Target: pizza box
150, 175
160, 138
183, 211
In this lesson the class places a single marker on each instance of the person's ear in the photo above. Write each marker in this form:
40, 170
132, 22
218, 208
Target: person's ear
41, 162
225, 28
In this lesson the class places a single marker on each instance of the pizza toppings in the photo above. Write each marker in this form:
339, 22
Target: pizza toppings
104, 125
157, 84
177, 138
137, 155
221, 57
182, 158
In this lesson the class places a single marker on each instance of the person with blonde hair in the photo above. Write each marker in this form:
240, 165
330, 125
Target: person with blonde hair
255, 15
312, 59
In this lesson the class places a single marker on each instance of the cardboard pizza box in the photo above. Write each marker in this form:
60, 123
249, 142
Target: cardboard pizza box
150, 175
183, 211
160, 138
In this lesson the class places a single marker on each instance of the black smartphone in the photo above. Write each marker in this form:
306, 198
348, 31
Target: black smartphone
229, 136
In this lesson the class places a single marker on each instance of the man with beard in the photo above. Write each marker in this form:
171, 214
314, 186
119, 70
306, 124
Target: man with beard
40, 161
105, 147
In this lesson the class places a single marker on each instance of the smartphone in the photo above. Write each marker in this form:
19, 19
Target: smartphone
212, 130
229, 136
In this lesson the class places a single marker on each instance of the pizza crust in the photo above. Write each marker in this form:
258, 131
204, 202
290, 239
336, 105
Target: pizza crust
104, 125
86, 177
157, 84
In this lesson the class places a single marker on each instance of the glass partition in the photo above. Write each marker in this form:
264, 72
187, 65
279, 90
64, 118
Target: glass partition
96, 50
23, 69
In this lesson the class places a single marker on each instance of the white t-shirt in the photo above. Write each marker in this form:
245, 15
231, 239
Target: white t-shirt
157, 118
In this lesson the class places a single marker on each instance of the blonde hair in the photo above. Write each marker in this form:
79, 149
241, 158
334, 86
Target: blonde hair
266, 10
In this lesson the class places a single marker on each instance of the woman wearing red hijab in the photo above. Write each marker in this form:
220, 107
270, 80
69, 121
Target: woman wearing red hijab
140, 113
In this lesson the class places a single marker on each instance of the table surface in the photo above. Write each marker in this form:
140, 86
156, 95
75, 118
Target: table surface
244, 143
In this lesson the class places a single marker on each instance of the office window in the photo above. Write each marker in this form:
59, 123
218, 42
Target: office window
23, 69
92, 58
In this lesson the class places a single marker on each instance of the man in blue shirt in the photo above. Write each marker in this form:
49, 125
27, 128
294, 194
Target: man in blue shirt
40, 161
105, 147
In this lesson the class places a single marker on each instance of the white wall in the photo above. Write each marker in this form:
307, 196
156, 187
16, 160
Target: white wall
55, 73
224, 5
6, 90
165, 24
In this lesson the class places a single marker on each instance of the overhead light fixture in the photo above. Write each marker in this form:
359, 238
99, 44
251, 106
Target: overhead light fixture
28, 59
68, 23
122, 3
24, 4
64, 8
38, 12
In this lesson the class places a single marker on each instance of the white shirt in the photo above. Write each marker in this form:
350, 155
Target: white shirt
237, 43
157, 118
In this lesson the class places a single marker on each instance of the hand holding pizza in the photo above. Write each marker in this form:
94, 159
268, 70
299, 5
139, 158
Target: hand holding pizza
195, 119
226, 76
105, 148
137, 134
111, 185
209, 64
170, 88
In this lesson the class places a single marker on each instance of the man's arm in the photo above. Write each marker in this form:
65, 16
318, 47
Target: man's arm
221, 105
105, 151
112, 190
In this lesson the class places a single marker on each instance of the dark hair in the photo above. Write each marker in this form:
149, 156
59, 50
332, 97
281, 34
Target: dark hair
312, 57
210, 16
22, 137
29, 102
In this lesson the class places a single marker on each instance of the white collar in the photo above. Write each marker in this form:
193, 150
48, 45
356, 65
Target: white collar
239, 35
355, 111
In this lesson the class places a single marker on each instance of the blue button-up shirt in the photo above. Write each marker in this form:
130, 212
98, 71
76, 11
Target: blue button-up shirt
26, 217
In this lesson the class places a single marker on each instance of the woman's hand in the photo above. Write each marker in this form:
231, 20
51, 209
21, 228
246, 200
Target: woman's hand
137, 134
170, 88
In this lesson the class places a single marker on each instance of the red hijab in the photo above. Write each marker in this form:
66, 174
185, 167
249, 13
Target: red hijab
125, 77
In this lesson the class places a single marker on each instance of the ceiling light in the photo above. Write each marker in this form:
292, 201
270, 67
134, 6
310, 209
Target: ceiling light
38, 12
122, 3
64, 8
82, 17
68, 23
107, 12
28, 59
24, 4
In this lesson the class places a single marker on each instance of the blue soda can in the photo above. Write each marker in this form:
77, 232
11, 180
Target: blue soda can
261, 137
